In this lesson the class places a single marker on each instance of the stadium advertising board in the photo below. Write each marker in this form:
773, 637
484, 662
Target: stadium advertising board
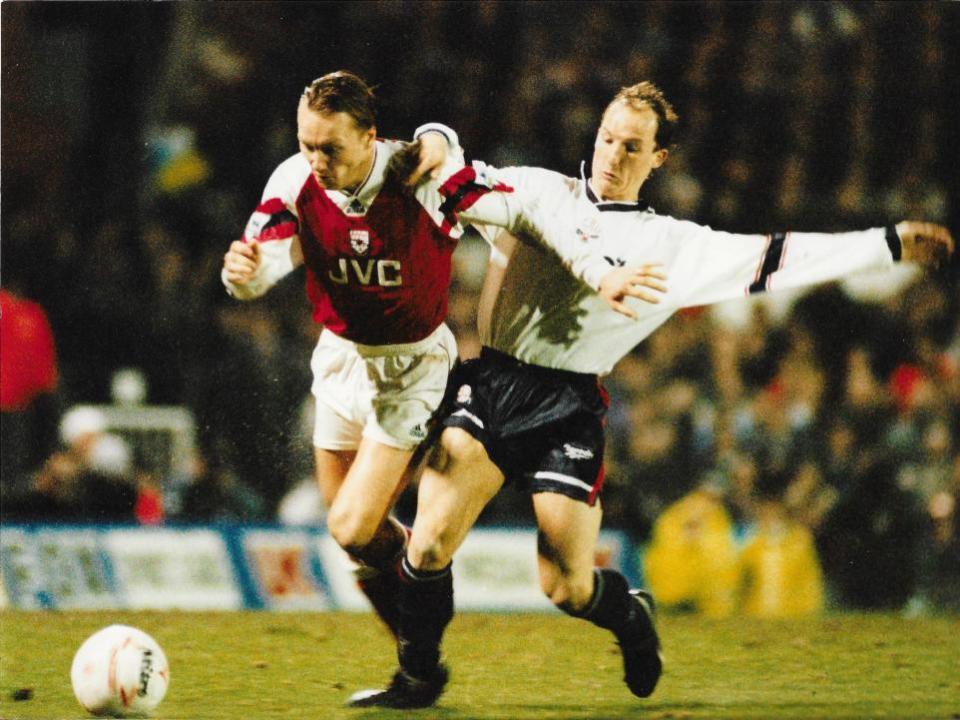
285, 570
168, 568
237, 567
497, 569
56, 568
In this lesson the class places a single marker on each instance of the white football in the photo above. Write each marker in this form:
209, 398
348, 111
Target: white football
120, 671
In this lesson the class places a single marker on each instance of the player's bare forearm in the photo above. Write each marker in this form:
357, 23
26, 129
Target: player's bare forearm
432, 156
924, 243
644, 282
404, 162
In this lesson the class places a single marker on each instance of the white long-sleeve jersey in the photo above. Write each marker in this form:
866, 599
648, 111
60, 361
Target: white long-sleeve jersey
378, 260
537, 313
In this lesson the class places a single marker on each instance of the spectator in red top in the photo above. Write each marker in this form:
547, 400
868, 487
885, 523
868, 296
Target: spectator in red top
28, 357
28, 379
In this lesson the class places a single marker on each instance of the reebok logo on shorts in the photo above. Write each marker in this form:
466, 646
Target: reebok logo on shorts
577, 453
464, 395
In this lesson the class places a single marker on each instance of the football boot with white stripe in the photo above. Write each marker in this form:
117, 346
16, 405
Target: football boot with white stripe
404, 691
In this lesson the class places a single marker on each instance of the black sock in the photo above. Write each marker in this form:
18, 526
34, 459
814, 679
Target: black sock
612, 608
426, 608
385, 550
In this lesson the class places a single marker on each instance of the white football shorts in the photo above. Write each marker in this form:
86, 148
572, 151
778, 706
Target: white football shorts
383, 392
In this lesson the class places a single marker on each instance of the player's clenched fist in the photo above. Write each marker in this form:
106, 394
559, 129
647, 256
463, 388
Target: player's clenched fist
925, 243
241, 262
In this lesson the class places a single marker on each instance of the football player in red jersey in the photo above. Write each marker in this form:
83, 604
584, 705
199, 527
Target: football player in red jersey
378, 261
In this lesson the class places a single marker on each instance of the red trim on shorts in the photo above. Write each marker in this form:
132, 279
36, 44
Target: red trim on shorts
597, 485
605, 399
604, 395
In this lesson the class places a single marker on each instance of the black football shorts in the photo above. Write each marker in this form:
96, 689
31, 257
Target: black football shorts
543, 428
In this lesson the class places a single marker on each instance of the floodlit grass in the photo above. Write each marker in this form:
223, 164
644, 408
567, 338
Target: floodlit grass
515, 667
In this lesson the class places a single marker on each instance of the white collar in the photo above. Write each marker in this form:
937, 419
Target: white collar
371, 184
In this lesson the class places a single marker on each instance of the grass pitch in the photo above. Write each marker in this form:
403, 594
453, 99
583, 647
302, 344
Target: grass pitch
515, 667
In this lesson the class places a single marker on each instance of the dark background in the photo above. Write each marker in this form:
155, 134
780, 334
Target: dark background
137, 137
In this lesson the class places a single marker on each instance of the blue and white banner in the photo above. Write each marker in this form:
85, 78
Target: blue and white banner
240, 567
162, 569
49, 567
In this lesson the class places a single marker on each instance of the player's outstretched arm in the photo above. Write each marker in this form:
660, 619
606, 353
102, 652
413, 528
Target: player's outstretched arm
725, 266
925, 243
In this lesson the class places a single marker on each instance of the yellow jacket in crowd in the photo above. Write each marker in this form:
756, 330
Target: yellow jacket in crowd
693, 562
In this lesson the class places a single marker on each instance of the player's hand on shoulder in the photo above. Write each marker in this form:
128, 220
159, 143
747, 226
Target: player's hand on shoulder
644, 282
925, 243
403, 163
242, 261
419, 160
432, 157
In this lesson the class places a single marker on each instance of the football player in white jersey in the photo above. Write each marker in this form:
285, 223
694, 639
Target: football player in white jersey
529, 411
378, 265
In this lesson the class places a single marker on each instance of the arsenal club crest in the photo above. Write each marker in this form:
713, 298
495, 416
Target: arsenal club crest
360, 241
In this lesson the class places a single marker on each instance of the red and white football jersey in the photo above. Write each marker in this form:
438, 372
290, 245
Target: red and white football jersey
379, 261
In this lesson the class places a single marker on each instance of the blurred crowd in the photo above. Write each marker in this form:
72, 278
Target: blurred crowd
137, 139
839, 422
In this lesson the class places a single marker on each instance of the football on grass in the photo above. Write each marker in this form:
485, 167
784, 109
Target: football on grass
120, 671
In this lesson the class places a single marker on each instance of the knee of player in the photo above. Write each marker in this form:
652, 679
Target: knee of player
565, 593
461, 446
555, 589
351, 530
429, 553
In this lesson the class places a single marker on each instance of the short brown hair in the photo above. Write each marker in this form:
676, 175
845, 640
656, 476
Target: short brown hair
646, 94
342, 91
